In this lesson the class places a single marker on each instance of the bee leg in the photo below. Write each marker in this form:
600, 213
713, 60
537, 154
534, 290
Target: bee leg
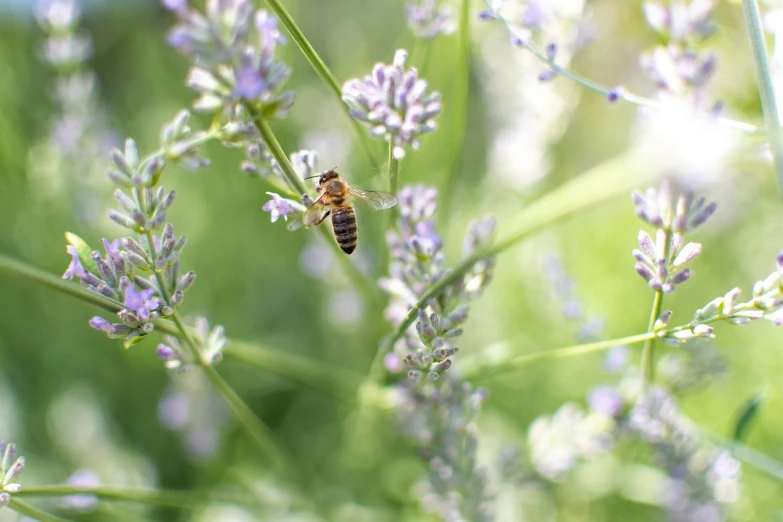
324, 216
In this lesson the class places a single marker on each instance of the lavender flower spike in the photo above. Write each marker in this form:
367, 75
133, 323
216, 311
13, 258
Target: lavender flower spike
428, 20
394, 103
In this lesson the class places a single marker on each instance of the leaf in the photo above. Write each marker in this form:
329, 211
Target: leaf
747, 415
85, 252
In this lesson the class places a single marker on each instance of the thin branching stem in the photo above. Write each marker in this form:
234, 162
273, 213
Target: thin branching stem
648, 350
394, 183
311, 374
766, 86
321, 70
605, 91
257, 430
158, 497
520, 361
29, 511
599, 184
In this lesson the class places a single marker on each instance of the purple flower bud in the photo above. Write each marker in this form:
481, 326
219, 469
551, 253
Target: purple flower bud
615, 94
165, 352
681, 277
99, 323
551, 51
688, 253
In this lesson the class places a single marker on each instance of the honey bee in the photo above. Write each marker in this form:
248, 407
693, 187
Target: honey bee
334, 193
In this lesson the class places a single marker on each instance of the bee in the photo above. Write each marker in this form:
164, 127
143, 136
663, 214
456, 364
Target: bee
334, 193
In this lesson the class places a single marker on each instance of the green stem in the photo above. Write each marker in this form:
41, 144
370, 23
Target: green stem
175, 499
308, 373
394, 183
520, 361
748, 455
321, 69
766, 85
259, 431
394, 172
461, 103
31, 512
15, 268
599, 184
605, 91
334, 381
270, 140
648, 350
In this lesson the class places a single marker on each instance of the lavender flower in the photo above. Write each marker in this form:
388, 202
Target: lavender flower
65, 48
144, 211
209, 342
436, 406
80, 136
428, 20
703, 482
680, 21
678, 69
280, 207
232, 47
661, 262
439, 419
394, 104
557, 443
10, 469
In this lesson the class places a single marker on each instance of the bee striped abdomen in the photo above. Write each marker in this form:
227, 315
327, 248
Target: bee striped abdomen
345, 231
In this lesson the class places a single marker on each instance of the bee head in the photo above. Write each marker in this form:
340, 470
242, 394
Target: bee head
325, 177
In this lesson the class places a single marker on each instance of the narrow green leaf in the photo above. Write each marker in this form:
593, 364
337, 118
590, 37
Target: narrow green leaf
85, 252
747, 414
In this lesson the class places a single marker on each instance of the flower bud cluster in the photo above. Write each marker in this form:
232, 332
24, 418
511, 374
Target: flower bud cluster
680, 69
661, 261
232, 48
394, 104
11, 468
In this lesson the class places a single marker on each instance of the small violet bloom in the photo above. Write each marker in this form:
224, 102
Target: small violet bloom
141, 303
75, 269
278, 207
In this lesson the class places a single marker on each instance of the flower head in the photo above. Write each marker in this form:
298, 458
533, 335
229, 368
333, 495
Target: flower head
232, 48
428, 20
394, 103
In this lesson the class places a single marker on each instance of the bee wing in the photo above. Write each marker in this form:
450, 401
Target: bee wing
375, 200
313, 213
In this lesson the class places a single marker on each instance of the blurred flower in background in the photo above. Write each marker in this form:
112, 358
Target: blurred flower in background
192, 408
72, 159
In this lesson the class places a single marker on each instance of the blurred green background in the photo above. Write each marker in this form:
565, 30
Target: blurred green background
71, 398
